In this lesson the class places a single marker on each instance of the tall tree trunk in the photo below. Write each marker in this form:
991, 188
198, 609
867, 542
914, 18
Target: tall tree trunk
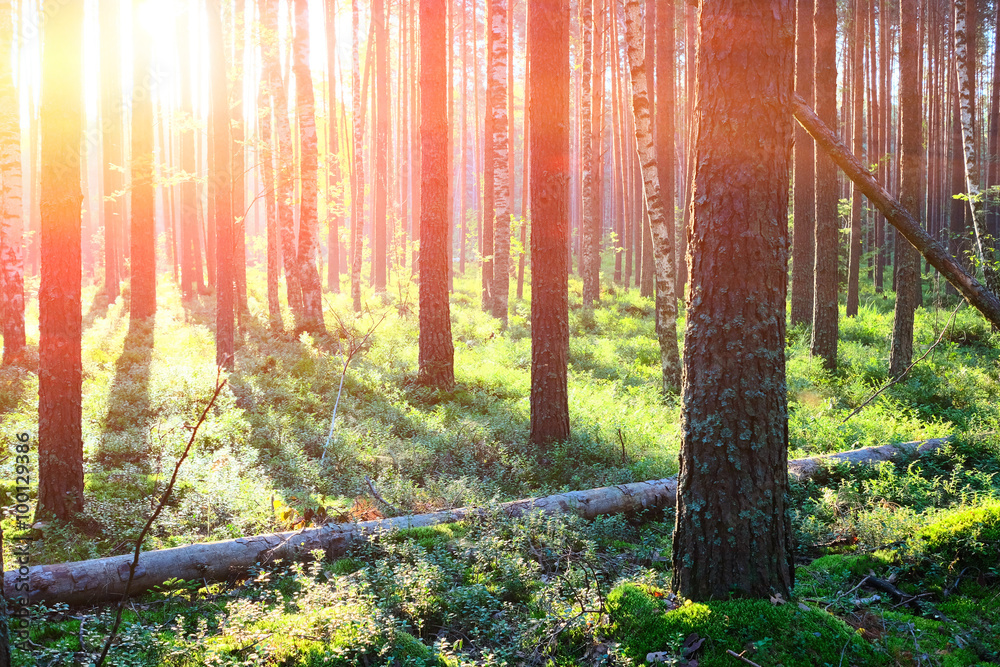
334, 176
11, 205
497, 96
825, 307
665, 163
993, 141
239, 165
548, 143
436, 349
221, 175
111, 146
191, 278
965, 58
488, 213
380, 246
859, 11
733, 533
142, 300
358, 172
659, 223
594, 217
265, 155
60, 318
588, 233
804, 203
308, 251
911, 117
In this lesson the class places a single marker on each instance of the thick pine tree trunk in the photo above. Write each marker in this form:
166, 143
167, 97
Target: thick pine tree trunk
825, 280
11, 210
436, 349
308, 250
60, 368
733, 534
496, 86
548, 143
221, 175
659, 223
142, 300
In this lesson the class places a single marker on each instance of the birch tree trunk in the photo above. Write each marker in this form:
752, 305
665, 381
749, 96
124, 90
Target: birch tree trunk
497, 95
663, 251
312, 289
11, 206
286, 174
985, 250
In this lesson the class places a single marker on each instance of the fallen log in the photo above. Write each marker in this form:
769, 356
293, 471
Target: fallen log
103, 579
979, 296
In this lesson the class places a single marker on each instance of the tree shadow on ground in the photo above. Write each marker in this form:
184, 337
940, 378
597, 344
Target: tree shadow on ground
124, 431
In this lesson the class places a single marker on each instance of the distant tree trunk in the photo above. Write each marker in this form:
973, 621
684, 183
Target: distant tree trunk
966, 58
11, 205
222, 176
111, 147
191, 278
588, 233
142, 300
548, 142
993, 143
265, 154
285, 177
665, 133
825, 307
497, 96
595, 203
60, 314
859, 10
486, 232
733, 533
379, 222
911, 117
436, 349
239, 166
334, 176
308, 251
659, 223
358, 173
649, 269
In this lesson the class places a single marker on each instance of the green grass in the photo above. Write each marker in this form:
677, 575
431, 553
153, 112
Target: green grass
504, 590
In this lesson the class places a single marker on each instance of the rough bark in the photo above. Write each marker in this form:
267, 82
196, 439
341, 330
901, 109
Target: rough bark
912, 166
938, 256
142, 299
659, 223
311, 319
548, 143
11, 204
60, 370
665, 134
733, 533
992, 147
860, 11
825, 278
102, 579
496, 93
436, 349
222, 176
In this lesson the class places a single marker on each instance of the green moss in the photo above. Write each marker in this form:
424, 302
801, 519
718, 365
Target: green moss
851, 564
345, 566
773, 634
967, 538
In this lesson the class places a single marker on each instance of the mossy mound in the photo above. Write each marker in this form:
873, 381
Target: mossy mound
968, 537
787, 634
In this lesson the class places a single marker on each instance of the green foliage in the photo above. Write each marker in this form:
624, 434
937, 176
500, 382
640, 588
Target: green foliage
771, 634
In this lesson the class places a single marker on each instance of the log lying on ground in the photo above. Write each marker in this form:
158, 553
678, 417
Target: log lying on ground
103, 579
981, 298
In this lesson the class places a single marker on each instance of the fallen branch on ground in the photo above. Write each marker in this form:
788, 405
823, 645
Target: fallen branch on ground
103, 579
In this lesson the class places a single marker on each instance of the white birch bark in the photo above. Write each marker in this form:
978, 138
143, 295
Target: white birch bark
11, 207
985, 251
497, 96
663, 250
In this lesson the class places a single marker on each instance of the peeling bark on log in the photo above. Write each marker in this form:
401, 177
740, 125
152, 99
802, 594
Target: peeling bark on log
103, 579
981, 298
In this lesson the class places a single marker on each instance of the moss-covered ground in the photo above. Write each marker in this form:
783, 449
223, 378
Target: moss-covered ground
533, 590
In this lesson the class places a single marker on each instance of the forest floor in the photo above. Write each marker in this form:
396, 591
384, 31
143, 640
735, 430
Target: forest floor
532, 590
